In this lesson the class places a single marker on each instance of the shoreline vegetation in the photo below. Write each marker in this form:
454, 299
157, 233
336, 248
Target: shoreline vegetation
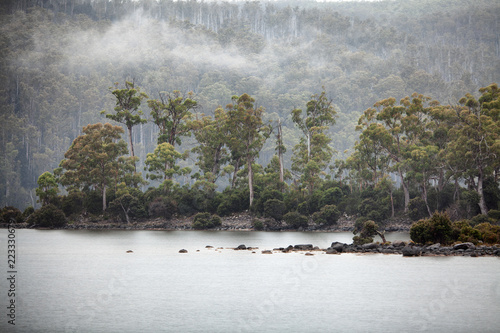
235, 222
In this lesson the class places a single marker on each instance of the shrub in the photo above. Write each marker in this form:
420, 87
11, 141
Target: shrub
494, 214
274, 208
72, 203
357, 240
27, 212
10, 214
258, 224
162, 207
126, 207
331, 196
478, 219
49, 216
206, 221
490, 234
295, 220
328, 215
417, 209
437, 229
420, 232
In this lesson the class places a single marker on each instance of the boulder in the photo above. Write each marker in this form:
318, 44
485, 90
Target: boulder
267, 252
337, 246
241, 247
411, 251
183, 251
463, 246
309, 254
331, 251
369, 246
434, 247
398, 243
303, 247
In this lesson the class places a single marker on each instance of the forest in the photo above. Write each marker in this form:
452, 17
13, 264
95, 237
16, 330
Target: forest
296, 111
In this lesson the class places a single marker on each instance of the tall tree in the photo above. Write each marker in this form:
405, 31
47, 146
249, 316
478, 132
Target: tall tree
211, 135
171, 112
95, 159
128, 101
313, 153
396, 129
162, 162
247, 133
476, 137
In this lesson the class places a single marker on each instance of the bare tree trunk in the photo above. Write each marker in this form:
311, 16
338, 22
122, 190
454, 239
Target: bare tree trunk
250, 181
405, 190
480, 191
131, 145
104, 198
236, 167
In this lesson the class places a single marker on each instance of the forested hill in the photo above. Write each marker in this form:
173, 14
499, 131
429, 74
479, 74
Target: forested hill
59, 58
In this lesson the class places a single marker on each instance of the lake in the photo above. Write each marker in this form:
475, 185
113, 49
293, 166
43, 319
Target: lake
84, 281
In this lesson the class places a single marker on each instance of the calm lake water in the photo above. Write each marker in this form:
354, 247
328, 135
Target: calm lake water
84, 281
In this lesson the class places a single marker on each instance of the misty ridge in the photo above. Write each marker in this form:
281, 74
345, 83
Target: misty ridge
60, 59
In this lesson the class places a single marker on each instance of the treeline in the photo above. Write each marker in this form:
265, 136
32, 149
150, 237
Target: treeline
432, 148
58, 59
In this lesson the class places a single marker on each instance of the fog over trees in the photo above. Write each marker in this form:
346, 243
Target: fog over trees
63, 61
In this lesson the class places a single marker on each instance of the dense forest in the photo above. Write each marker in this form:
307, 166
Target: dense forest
294, 110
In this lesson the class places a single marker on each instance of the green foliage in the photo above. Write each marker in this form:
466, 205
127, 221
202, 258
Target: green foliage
27, 212
274, 208
47, 188
162, 207
206, 221
417, 209
72, 203
295, 220
10, 214
328, 215
368, 229
258, 224
95, 159
127, 207
436, 229
49, 216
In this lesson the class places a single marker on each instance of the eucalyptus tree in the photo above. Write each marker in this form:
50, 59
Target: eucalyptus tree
95, 160
397, 130
247, 133
211, 135
128, 101
476, 137
313, 153
171, 113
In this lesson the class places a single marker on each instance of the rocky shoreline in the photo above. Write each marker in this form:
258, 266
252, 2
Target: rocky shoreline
406, 249
237, 222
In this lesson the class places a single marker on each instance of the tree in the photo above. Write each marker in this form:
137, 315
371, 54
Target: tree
95, 159
476, 137
247, 133
47, 188
171, 112
395, 129
313, 153
211, 135
368, 230
162, 162
128, 101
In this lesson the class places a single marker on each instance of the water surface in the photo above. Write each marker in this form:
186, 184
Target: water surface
84, 281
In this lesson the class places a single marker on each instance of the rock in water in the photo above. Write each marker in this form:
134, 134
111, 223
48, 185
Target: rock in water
183, 251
